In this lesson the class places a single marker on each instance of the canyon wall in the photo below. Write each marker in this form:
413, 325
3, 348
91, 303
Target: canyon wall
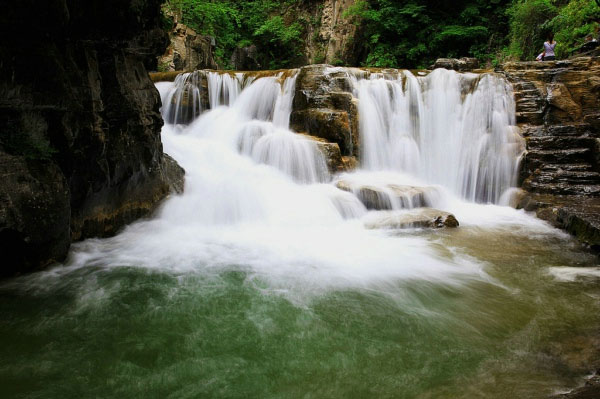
80, 150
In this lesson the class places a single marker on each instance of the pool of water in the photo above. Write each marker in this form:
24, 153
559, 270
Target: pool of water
524, 324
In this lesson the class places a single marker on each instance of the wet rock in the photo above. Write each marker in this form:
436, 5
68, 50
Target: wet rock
325, 107
557, 108
577, 214
331, 152
79, 125
34, 214
331, 125
350, 163
419, 218
387, 197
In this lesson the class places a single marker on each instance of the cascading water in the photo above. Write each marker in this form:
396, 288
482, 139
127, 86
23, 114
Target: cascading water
261, 280
455, 130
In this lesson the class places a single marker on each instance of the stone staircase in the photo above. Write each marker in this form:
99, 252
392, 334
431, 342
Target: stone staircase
557, 106
561, 161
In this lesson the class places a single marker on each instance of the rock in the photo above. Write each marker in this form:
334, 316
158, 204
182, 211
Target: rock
331, 125
324, 107
350, 163
246, 59
557, 108
591, 390
34, 214
335, 39
560, 98
331, 152
418, 218
387, 197
462, 65
80, 142
187, 51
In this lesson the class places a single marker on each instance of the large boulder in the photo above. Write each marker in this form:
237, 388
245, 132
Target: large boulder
417, 218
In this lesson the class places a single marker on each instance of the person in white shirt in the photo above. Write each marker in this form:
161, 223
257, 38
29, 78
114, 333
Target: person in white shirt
549, 49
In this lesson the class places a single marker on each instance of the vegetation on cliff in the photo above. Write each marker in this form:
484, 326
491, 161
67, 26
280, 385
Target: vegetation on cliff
242, 23
402, 33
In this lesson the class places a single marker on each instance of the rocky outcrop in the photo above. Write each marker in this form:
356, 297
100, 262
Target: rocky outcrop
80, 150
333, 39
461, 64
422, 218
325, 107
187, 51
558, 109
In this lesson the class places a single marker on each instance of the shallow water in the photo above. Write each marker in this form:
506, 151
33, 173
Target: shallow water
261, 281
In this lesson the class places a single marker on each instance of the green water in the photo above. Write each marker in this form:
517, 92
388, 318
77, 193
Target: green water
128, 332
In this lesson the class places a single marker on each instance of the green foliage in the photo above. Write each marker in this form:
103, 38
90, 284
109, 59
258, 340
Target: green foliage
573, 23
532, 20
242, 23
529, 26
413, 33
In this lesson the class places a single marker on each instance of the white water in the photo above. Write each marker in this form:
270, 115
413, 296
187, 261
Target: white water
258, 196
456, 130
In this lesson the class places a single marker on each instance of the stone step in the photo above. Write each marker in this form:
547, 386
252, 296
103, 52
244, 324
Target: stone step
566, 156
571, 177
574, 130
531, 117
562, 188
580, 167
559, 142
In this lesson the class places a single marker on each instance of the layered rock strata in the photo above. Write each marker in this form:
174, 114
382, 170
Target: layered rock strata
558, 109
80, 150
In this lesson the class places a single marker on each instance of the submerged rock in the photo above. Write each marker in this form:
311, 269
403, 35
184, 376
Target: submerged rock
391, 196
417, 218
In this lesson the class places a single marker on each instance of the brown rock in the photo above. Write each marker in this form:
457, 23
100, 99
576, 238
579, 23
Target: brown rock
331, 125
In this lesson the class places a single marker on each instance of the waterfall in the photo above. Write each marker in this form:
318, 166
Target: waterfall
250, 114
447, 130
455, 130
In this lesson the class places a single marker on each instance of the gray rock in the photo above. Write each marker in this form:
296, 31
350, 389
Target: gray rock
462, 65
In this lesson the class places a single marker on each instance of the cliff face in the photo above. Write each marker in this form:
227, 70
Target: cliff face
558, 108
328, 37
80, 150
187, 51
